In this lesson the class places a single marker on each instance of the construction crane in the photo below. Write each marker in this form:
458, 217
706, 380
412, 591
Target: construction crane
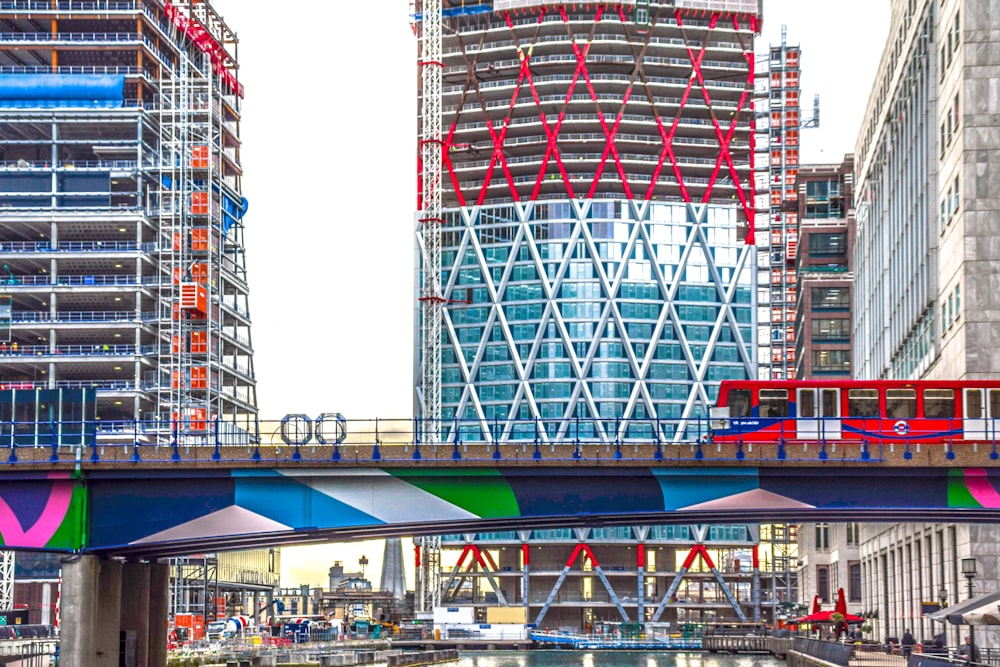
429, 23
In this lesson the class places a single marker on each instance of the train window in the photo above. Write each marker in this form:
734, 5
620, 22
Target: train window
995, 403
739, 402
973, 404
806, 406
862, 403
939, 403
773, 402
900, 403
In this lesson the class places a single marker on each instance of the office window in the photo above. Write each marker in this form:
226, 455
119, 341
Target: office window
827, 244
823, 582
854, 581
822, 536
831, 361
833, 298
831, 328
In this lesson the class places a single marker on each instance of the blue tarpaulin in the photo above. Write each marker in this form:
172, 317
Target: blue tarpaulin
27, 91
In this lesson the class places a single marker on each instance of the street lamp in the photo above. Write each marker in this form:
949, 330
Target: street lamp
969, 572
363, 561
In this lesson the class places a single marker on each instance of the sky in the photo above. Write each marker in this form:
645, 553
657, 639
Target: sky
329, 157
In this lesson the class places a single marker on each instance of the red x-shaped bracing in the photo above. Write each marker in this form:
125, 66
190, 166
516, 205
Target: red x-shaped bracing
552, 130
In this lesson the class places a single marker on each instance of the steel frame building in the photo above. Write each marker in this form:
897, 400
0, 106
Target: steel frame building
121, 238
596, 226
572, 578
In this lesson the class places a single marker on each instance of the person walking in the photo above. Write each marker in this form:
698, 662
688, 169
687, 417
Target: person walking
907, 643
968, 651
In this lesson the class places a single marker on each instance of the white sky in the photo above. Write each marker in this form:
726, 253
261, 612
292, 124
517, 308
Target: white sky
329, 153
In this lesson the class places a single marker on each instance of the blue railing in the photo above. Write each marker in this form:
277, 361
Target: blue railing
333, 439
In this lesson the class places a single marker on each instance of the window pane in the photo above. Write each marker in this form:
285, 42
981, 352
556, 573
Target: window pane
995, 403
831, 406
739, 403
831, 297
900, 403
974, 403
862, 403
939, 403
773, 403
807, 403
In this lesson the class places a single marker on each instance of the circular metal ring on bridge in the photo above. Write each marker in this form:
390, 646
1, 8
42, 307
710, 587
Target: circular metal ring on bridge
330, 421
296, 430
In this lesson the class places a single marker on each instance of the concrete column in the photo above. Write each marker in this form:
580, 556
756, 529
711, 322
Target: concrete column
135, 612
109, 601
78, 606
159, 607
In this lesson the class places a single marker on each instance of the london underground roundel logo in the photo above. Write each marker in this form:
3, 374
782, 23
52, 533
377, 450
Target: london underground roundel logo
901, 427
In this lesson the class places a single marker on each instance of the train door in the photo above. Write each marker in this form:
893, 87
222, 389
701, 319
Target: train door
981, 412
818, 415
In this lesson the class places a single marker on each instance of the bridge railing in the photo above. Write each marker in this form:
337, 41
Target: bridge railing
333, 438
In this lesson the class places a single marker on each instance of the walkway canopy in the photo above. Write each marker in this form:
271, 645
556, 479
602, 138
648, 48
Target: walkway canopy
981, 610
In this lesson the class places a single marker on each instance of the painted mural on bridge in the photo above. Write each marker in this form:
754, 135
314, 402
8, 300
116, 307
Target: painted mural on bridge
43, 510
125, 509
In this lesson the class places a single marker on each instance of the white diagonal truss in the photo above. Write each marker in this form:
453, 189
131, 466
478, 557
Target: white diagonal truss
634, 313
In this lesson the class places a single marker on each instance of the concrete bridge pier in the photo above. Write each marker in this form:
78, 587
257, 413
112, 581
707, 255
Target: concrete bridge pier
110, 607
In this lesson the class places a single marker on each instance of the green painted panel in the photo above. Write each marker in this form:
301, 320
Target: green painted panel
958, 492
482, 492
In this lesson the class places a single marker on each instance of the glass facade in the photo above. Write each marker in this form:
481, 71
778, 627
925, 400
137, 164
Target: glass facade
597, 319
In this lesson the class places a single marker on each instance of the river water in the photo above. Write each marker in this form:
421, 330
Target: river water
568, 658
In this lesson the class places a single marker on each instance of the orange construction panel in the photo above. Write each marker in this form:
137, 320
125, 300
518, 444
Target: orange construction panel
198, 417
199, 238
194, 299
175, 379
199, 273
199, 203
199, 157
199, 377
199, 342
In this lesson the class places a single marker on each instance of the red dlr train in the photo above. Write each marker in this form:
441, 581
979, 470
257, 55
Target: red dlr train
932, 411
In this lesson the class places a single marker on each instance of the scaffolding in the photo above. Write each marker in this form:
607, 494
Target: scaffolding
429, 218
6, 580
125, 269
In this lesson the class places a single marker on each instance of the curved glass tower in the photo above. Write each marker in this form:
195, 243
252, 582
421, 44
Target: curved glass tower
596, 232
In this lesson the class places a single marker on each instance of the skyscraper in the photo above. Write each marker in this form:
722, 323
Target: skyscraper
124, 293
925, 301
596, 225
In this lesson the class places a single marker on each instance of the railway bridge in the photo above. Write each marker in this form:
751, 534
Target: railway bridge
116, 508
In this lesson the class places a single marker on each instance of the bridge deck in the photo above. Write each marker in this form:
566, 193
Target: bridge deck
388, 454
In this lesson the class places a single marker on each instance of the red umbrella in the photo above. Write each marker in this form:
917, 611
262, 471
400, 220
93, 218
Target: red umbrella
815, 609
841, 605
827, 617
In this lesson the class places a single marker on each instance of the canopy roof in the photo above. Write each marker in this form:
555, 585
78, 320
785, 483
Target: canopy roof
980, 610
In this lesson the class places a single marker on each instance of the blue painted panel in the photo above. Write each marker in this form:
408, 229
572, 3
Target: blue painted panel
292, 503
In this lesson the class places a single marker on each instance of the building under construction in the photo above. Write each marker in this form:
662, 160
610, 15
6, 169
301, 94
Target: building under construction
123, 276
585, 228
123, 293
